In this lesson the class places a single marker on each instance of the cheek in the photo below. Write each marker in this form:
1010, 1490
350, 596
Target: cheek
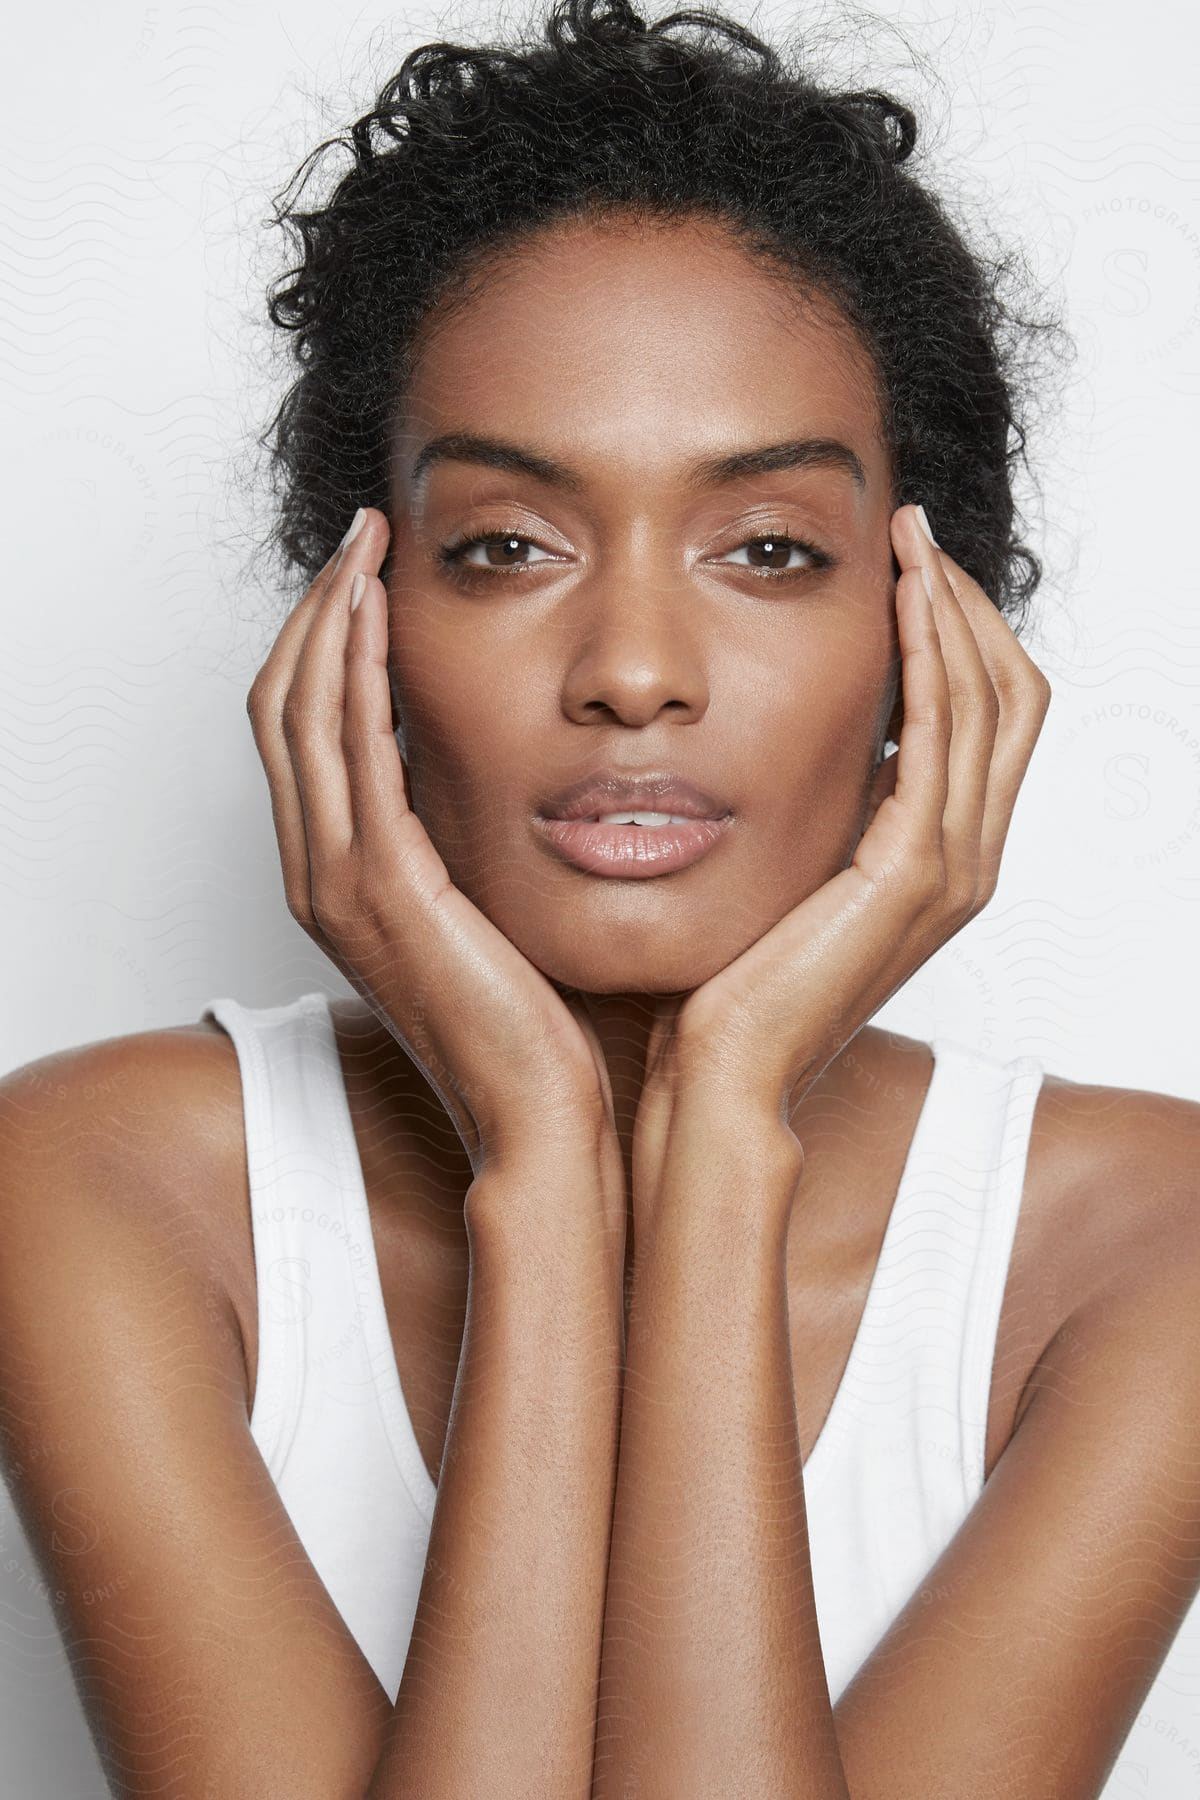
434, 724
815, 734
816, 719
465, 740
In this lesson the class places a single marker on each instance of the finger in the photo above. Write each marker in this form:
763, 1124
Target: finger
379, 799
975, 714
922, 757
264, 704
883, 786
1022, 696
277, 669
314, 708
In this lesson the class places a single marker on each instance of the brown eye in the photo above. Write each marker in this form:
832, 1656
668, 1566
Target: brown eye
502, 550
777, 551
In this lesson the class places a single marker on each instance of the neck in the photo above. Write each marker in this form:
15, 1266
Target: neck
400, 1119
624, 1026
625, 1031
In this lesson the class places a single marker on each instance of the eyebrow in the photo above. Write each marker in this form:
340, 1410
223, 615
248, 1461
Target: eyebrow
699, 474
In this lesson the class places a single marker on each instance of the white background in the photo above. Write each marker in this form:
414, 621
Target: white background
139, 870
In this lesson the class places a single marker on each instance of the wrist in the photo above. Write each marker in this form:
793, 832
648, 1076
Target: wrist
718, 1153
544, 1131
562, 1194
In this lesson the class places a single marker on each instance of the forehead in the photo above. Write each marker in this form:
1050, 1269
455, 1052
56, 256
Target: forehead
637, 343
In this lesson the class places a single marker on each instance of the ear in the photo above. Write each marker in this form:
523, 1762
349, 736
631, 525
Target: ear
895, 721
397, 710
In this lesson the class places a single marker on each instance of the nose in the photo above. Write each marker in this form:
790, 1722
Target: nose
636, 650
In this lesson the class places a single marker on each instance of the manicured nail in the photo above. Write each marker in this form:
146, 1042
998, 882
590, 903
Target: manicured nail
925, 526
356, 589
355, 527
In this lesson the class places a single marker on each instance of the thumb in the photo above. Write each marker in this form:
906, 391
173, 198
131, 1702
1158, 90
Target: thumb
883, 785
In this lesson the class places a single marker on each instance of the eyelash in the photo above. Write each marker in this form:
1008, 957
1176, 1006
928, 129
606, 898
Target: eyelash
451, 555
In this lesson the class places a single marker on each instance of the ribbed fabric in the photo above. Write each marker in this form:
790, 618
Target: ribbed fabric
898, 1463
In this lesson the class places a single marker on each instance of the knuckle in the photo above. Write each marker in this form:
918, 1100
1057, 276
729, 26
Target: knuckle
356, 752
299, 904
989, 704
931, 879
290, 716
304, 716
328, 910
258, 701
1025, 689
963, 899
336, 903
932, 715
1030, 709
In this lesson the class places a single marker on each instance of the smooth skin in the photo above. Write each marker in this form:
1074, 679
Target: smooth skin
639, 1073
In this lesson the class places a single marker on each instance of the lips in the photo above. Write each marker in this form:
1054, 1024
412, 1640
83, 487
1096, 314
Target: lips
613, 790
568, 823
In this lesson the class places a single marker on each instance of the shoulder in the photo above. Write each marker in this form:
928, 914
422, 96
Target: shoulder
1111, 1225
141, 1132
1111, 1188
152, 1522
151, 1098
143, 1066
1060, 1596
1124, 1167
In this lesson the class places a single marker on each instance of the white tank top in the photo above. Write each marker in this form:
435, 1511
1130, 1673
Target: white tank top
898, 1463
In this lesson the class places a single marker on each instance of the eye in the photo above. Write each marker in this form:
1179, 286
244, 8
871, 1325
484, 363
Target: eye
507, 543
778, 548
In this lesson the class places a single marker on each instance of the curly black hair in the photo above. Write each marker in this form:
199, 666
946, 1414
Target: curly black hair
470, 149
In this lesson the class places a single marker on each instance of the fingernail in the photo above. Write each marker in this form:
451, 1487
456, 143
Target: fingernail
925, 525
356, 589
355, 527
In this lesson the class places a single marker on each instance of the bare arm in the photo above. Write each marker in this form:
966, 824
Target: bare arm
734, 1648
208, 1655
498, 1693
713, 1681
1017, 1668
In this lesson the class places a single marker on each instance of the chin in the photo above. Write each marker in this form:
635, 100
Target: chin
611, 962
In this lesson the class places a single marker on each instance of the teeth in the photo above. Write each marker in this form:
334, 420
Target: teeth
643, 818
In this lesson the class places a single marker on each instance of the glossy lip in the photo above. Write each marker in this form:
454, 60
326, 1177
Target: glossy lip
618, 790
631, 852
568, 822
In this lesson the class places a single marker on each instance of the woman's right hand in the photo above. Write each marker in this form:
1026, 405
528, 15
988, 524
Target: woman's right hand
518, 1067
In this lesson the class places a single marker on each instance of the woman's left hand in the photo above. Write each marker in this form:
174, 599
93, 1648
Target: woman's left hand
759, 1033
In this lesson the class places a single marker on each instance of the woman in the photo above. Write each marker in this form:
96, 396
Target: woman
596, 1361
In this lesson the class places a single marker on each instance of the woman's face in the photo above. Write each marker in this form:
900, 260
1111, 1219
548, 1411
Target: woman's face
635, 624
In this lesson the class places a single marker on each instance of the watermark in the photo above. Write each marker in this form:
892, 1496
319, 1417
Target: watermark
1135, 268
1129, 775
87, 458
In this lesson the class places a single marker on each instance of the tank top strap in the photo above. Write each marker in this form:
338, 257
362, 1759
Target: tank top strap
325, 1349
970, 1180
916, 1385
900, 1462
990, 1141
299, 1183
